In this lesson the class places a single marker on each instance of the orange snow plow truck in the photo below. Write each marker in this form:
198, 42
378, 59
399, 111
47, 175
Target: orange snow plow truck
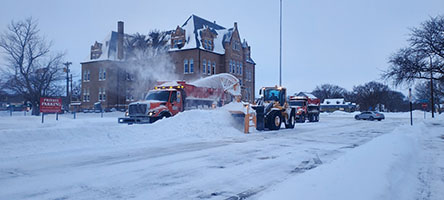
171, 97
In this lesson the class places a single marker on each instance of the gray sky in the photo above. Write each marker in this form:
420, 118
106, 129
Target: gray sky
333, 41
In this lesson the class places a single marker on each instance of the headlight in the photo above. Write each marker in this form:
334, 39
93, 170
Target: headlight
152, 113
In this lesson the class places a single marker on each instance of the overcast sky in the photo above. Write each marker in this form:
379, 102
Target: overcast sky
346, 43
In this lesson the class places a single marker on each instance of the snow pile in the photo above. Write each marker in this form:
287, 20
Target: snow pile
89, 131
384, 168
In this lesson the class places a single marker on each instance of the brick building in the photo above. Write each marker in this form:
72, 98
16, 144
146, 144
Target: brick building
198, 48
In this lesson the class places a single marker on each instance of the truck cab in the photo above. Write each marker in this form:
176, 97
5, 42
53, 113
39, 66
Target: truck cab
162, 102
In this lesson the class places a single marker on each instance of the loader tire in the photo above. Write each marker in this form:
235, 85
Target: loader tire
291, 122
274, 120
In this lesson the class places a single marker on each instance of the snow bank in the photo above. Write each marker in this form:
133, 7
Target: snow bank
89, 131
384, 168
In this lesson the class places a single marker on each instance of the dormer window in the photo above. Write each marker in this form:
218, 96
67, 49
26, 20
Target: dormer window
96, 50
207, 39
178, 38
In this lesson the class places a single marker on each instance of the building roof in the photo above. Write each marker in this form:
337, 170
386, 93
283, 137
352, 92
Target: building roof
306, 94
109, 48
194, 26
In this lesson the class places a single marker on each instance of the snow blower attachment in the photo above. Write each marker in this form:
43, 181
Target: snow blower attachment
171, 97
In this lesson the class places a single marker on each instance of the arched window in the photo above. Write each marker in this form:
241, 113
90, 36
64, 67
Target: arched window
214, 67
191, 66
185, 66
240, 71
209, 68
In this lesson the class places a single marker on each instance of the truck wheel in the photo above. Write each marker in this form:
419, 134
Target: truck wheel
310, 118
302, 118
274, 121
291, 122
317, 118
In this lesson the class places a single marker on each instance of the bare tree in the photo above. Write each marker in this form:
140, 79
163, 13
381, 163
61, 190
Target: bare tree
423, 56
31, 70
423, 59
328, 91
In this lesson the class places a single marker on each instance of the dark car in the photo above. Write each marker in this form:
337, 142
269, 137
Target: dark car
370, 115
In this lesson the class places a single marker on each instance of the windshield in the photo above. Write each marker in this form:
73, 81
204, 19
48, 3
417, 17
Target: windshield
296, 103
158, 95
271, 95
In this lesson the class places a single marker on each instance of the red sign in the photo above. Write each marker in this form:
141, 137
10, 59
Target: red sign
424, 105
50, 105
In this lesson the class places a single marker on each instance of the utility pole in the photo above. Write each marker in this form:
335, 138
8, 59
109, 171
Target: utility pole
280, 43
410, 100
70, 80
431, 89
66, 69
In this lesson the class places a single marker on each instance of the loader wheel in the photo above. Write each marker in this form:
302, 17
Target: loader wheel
291, 122
274, 121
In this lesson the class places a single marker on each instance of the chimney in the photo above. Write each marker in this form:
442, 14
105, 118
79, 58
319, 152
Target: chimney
120, 40
235, 25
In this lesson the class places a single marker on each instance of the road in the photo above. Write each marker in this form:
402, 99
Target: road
193, 168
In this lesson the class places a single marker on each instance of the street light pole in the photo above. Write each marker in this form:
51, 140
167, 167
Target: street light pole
67, 82
410, 100
431, 89
280, 43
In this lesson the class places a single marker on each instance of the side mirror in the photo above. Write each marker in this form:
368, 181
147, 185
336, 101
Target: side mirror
260, 92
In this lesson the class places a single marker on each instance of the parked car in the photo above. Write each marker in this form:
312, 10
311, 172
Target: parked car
370, 115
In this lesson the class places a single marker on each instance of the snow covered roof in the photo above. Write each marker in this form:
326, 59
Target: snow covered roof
306, 94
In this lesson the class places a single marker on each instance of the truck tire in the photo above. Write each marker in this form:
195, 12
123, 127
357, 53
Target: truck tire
274, 120
302, 118
310, 117
291, 122
317, 118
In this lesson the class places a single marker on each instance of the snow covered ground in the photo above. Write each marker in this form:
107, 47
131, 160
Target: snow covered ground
199, 154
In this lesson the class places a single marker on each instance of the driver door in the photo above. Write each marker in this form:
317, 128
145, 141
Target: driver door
175, 102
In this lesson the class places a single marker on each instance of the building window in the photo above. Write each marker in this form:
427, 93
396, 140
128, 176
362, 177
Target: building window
191, 66
204, 66
86, 76
240, 82
102, 94
129, 77
240, 64
86, 95
102, 74
214, 67
185, 66
129, 95
209, 68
